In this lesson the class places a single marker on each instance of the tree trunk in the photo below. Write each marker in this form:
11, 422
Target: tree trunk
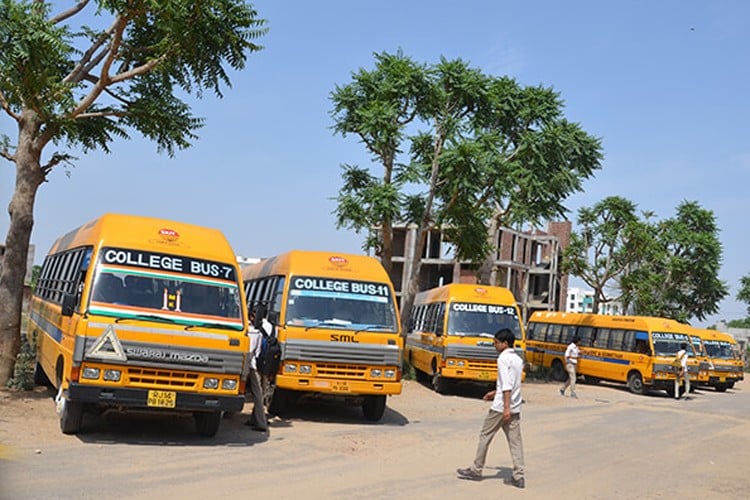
29, 177
487, 274
386, 250
412, 284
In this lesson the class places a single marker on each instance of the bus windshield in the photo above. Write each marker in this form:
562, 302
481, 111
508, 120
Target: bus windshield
668, 344
181, 297
719, 349
474, 320
340, 304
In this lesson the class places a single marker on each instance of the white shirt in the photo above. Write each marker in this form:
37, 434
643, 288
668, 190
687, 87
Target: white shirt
509, 370
571, 354
683, 357
255, 345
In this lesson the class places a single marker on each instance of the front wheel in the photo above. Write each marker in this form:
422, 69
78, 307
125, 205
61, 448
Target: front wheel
440, 383
635, 383
40, 378
558, 371
373, 407
721, 387
71, 416
207, 423
279, 402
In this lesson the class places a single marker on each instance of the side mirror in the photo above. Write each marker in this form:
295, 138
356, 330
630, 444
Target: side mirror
68, 304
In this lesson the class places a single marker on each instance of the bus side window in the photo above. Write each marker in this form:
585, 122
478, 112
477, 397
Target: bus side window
439, 318
586, 334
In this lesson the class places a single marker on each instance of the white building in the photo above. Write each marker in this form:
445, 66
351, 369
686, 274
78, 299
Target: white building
582, 301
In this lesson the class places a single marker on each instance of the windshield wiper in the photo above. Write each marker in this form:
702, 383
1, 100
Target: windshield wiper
208, 324
147, 316
373, 327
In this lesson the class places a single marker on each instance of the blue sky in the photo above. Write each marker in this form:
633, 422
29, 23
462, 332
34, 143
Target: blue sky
664, 84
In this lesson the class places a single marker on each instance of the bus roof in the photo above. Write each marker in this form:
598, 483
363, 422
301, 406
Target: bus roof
707, 334
646, 323
319, 263
466, 292
159, 235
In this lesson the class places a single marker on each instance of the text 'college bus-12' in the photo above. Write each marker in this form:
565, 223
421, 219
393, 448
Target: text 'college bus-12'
637, 350
451, 332
337, 324
137, 313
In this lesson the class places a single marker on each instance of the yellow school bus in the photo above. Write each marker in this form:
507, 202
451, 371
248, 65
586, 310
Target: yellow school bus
704, 362
144, 314
636, 350
338, 326
451, 331
726, 365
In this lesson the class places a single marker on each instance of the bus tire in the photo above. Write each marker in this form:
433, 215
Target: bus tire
207, 422
635, 383
373, 407
71, 417
440, 383
558, 371
279, 403
40, 378
730, 385
721, 387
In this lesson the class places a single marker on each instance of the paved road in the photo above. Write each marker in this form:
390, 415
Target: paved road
607, 444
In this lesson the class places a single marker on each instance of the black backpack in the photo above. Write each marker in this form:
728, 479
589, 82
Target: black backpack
270, 355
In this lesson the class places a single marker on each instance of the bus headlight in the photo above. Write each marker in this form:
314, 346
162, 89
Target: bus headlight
376, 372
112, 375
210, 383
229, 384
461, 363
390, 373
90, 373
290, 367
305, 369
451, 362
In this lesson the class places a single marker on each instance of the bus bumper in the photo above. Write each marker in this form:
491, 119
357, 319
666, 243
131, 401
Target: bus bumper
339, 387
138, 399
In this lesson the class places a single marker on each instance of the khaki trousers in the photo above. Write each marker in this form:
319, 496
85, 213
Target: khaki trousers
258, 417
571, 369
492, 423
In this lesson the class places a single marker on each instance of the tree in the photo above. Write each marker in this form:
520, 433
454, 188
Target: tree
85, 86
676, 275
744, 294
601, 251
485, 151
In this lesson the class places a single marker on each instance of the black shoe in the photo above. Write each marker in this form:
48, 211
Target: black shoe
469, 473
518, 483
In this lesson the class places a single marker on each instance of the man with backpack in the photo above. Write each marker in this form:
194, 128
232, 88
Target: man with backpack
258, 418
270, 353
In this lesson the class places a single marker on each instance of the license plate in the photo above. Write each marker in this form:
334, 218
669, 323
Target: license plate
485, 376
340, 386
162, 399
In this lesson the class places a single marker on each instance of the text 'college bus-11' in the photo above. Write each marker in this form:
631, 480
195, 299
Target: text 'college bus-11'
451, 331
337, 324
636, 350
137, 313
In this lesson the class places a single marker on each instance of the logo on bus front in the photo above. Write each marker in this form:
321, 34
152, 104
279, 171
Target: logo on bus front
338, 261
480, 290
169, 234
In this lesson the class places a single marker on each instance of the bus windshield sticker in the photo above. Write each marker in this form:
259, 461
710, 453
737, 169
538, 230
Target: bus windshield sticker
167, 262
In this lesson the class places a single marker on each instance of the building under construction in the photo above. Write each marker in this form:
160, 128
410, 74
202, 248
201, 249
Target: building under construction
527, 263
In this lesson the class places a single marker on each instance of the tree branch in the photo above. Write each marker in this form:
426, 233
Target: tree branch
85, 64
6, 107
70, 12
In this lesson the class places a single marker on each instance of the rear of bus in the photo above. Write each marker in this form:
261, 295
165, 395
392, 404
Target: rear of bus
451, 332
338, 326
142, 314
726, 367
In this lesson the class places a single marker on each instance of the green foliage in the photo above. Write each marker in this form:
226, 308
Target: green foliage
480, 147
408, 371
744, 294
88, 86
23, 371
605, 245
676, 273
739, 323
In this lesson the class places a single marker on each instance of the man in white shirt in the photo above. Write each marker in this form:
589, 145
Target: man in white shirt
682, 359
505, 412
571, 365
258, 418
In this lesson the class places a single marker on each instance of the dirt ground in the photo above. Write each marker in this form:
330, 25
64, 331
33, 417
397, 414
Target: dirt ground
606, 444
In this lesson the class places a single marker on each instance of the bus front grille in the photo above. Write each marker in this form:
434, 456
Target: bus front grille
168, 379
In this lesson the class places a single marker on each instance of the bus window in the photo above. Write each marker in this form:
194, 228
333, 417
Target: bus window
586, 334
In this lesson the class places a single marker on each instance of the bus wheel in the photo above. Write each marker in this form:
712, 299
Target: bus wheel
635, 383
721, 387
279, 403
730, 385
440, 383
207, 423
373, 407
40, 378
71, 416
558, 372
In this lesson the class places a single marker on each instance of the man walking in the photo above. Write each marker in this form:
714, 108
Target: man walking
571, 366
681, 359
505, 412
